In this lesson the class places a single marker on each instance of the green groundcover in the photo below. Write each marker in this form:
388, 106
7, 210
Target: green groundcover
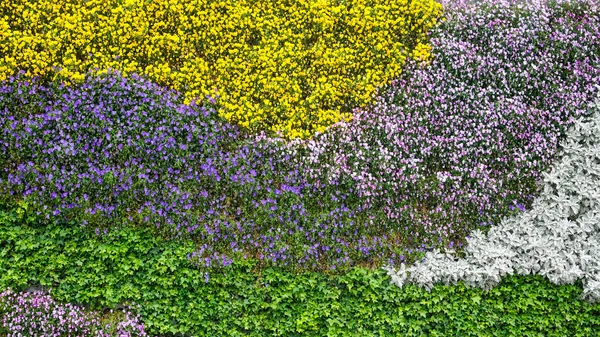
179, 299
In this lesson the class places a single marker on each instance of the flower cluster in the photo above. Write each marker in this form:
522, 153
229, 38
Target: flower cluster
36, 314
293, 67
110, 147
557, 238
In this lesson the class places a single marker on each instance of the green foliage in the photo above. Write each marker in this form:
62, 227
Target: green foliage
131, 265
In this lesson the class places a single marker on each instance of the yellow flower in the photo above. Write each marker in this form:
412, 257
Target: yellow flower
295, 67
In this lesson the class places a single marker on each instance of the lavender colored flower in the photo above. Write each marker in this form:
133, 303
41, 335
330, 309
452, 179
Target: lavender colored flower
37, 314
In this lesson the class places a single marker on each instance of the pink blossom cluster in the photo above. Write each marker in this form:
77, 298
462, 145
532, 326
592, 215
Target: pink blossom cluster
37, 314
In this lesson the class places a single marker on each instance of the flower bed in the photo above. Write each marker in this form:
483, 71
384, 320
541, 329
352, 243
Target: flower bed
285, 66
455, 143
37, 314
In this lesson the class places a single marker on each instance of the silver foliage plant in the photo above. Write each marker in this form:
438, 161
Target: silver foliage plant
559, 237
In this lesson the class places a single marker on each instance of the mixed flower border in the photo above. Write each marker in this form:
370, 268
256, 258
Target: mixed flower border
532, 101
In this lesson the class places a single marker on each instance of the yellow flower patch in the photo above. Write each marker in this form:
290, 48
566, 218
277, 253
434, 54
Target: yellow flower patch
289, 66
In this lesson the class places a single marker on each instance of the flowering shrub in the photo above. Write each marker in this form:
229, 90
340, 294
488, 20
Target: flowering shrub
36, 314
289, 66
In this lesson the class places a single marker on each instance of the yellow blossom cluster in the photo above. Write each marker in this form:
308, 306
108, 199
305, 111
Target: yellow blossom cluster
293, 67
